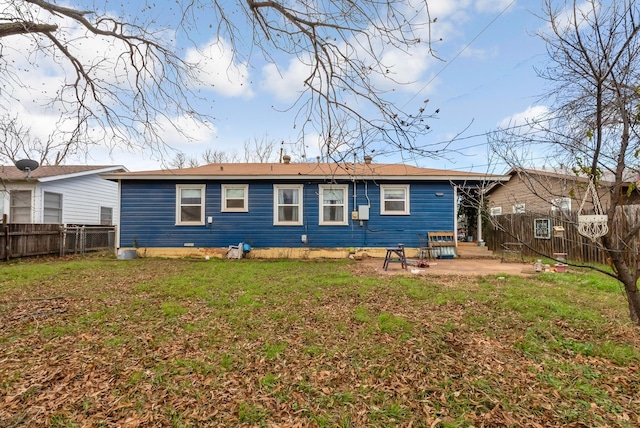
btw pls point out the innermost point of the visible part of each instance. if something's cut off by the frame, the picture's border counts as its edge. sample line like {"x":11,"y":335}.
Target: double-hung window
{"x":494,"y":211}
{"x":20,"y":206}
{"x":190,"y":204}
{"x":394,"y":199}
{"x":52,"y":211}
{"x":287,"y":205}
{"x":235,"y":198}
{"x":333,"y":205}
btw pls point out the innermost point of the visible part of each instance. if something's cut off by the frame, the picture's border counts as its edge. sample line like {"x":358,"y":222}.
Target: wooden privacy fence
{"x":26,"y":240}
{"x":557,"y":233}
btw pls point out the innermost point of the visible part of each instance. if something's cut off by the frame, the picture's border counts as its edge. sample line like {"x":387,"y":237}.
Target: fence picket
{"x":520,"y":228}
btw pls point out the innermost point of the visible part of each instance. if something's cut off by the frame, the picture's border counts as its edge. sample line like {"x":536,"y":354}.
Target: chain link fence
{"x":83,"y":239}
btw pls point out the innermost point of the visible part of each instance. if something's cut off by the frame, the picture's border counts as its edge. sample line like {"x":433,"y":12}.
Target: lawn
{"x":153,"y":342}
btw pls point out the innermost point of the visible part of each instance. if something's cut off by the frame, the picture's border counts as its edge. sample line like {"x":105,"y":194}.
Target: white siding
{"x":82,"y":198}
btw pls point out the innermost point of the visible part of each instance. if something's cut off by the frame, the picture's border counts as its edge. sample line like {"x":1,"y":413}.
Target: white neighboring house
{"x":64,"y":194}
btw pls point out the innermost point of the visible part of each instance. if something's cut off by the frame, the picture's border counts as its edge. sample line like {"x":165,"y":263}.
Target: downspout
{"x":480,"y":241}
{"x":455,"y":215}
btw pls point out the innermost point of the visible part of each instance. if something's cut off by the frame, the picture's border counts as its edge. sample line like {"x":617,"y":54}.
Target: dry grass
{"x":153,"y":342}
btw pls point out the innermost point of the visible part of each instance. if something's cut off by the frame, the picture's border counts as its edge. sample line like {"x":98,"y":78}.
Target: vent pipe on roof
{"x":367,"y":160}
{"x":286,"y":159}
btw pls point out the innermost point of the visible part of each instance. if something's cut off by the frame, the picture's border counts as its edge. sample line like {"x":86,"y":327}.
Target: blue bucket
{"x":246,"y":248}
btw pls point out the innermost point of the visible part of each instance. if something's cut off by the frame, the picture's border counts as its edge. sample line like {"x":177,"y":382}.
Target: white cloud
{"x":218,"y":71}
{"x":528,"y":116}
{"x":285,"y":83}
{"x":185,"y":129}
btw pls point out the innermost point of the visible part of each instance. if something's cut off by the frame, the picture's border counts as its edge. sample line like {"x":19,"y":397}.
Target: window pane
{"x":52,"y":200}
{"x":288,"y":213}
{"x":394,"y":194}
{"x":333,"y":196}
{"x":106,"y":216}
{"x":333,"y":213}
{"x":235,"y":203}
{"x":190,"y":213}
{"x":394,"y":205}
{"x":190,"y":196}
{"x":235,"y":193}
{"x":287,"y":196}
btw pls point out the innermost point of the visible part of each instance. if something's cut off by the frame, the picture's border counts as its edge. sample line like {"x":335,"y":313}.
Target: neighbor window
{"x":106,"y":216}
{"x":333,"y":205}
{"x":518,"y":208}
{"x":561,"y":204}
{"x":394,"y":200}
{"x":52,"y":212}
{"x":20,"y":206}
{"x":287,"y":205}
{"x":493,"y":211}
{"x":235,"y":198}
{"x":190,"y":204}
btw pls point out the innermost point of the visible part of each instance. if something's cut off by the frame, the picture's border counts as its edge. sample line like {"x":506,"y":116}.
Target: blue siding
{"x":148,"y":217}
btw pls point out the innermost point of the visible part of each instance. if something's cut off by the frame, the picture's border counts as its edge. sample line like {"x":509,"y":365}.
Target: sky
{"x":485,"y":77}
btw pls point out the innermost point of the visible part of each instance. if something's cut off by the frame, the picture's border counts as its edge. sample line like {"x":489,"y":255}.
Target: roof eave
{"x":298,"y":177}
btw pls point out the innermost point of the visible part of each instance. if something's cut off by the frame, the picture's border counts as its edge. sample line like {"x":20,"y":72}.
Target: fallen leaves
{"x":106,"y":354}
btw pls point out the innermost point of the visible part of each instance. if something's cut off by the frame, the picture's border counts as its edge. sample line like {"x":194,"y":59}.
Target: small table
{"x":396,"y":251}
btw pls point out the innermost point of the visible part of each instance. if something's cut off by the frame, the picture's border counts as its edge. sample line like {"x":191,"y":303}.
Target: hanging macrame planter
{"x":593,"y":225}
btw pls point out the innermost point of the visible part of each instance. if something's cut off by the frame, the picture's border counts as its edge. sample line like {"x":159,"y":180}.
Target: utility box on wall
{"x":363,"y":212}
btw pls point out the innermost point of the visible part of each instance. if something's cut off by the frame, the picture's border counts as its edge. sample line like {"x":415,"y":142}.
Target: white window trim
{"x":518,"y":208}
{"x":494,"y":211}
{"x":180,"y":187}
{"x":31,"y":204}
{"x":558,"y":204}
{"x":276,"y":187}
{"x":223,"y":203}
{"x":345,"y":205}
{"x":406,"y":189}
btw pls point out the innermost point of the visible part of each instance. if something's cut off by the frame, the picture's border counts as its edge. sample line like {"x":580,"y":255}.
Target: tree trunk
{"x":628,"y":280}
{"x":633,"y":297}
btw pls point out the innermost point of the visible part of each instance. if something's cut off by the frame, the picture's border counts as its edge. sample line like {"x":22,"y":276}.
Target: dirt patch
{"x":466,"y":267}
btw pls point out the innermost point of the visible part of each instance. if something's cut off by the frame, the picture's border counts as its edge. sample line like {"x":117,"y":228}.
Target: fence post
{"x":63,"y":238}
{"x":5,"y":226}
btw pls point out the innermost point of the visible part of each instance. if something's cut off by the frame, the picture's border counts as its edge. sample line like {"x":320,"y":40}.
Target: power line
{"x":460,"y":52}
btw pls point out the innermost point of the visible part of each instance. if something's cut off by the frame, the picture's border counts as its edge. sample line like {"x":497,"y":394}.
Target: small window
{"x":20,"y":206}
{"x":518,"y":208}
{"x":333,"y":205}
{"x":235,"y":198}
{"x":395,"y":200}
{"x":106,"y":216}
{"x":495,"y":211}
{"x":190,"y":204}
{"x":287,"y":205}
{"x":561,"y":204}
{"x":542,"y":228}
{"x":52,"y":212}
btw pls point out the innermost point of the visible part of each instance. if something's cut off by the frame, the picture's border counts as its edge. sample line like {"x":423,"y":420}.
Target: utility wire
{"x":460,"y":52}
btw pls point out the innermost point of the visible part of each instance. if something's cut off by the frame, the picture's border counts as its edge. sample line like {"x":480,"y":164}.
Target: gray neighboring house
{"x":65,"y":194}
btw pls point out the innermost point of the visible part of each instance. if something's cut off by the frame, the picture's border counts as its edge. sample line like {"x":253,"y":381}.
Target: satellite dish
{"x":27,"y":165}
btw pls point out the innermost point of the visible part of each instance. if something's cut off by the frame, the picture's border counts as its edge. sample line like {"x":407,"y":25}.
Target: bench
{"x":442,"y":244}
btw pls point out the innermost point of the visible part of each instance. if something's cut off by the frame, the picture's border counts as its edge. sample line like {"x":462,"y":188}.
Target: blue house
{"x":286,"y":209}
